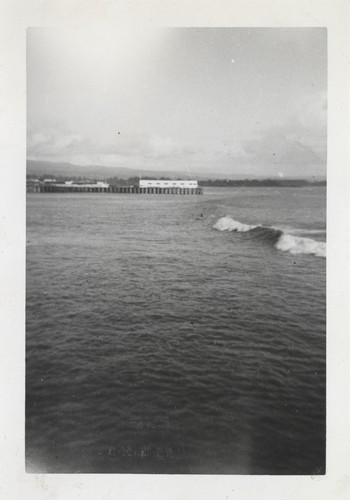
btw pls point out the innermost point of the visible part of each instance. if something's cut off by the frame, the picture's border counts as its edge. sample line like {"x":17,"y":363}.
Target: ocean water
{"x":176,"y":334}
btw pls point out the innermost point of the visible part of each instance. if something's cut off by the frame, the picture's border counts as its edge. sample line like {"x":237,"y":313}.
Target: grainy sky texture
{"x":237,"y":101}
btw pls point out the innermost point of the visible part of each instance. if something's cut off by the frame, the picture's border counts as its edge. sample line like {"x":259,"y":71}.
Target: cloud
{"x":162,"y":146}
{"x":56,"y":143}
{"x":298,"y":145}
{"x":50,"y":142}
{"x":313,"y":112}
{"x":281,"y":147}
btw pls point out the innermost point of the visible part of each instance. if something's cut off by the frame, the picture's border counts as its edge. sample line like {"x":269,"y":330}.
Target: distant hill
{"x":59,"y":169}
{"x":100,"y":172}
{"x":41,"y":168}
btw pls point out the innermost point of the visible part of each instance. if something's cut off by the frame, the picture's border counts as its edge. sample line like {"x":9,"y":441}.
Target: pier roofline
{"x":181,"y":187}
{"x":168,"y":183}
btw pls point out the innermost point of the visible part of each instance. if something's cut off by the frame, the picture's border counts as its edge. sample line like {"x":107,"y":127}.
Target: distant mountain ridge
{"x":40,"y":168}
{"x":100,"y":172}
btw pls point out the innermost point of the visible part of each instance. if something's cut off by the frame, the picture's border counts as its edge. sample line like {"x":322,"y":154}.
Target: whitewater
{"x":286,"y":242}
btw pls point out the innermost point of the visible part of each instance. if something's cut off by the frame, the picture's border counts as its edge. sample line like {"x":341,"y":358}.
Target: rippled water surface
{"x":176,"y":334}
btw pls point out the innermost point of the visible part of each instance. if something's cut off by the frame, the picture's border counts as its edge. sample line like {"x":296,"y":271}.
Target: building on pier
{"x":157,"y":183}
{"x":151,"y":187}
{"x":86,"y":184}
{"x":50,"y":186}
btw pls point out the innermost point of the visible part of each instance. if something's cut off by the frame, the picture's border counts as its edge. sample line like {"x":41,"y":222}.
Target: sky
{"x":234,"y":101}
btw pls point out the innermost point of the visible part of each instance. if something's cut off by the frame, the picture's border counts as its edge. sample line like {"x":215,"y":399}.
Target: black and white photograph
{"x":176,"y":251}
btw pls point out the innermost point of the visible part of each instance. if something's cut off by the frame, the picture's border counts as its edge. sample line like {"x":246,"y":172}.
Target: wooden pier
{"x":63,"y":188}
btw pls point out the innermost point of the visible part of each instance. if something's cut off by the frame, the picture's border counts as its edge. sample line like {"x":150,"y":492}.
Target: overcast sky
{"x":234,"y":101}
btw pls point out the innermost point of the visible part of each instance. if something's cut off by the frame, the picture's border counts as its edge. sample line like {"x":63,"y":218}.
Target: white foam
{"x":299,"y":245}
{"x":229,"y":224}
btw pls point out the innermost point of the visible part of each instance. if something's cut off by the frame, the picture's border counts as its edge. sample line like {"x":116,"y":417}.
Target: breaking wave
{"x":228,"y":224}
{"x":284,"y":241}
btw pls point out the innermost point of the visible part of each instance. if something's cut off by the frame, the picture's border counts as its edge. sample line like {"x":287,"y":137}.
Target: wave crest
{"x":281,"y":240}
{"x":228,"y":224}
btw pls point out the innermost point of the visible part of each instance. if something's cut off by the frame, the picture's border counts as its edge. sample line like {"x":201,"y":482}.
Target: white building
{"x":98,"y":184}
{"x":168,"y":184}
